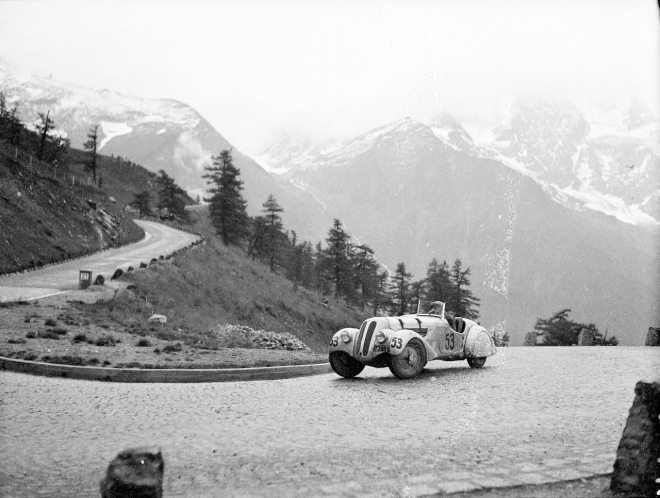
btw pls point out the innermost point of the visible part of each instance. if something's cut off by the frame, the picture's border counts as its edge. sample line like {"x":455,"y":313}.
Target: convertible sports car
{"x":406,"y":343}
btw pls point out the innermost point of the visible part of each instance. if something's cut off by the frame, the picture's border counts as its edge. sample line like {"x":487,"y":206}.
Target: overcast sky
{"x":330,"y":68}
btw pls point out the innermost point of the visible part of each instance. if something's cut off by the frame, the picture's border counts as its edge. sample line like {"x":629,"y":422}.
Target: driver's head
{"x":435,"y":306}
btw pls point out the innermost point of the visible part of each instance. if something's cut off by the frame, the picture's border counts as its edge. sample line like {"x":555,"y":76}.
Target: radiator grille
{"x":367,"y":340}
{"x":356,"y":346}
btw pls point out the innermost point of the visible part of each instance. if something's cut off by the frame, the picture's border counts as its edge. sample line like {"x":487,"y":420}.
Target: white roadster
{"x":406,"y":343}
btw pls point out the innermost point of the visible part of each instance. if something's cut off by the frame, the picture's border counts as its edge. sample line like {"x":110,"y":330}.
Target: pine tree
{"x":15,"y":127}
{"x":43,"y":127}
{"x":171,"y":197}
{"x":400,"y":289}
{"x":91,"y":145}
{"x":461,"y":300}
{"x":142,"y":202}
{"x":438,"y":283}
{"x":227,"y":206}
{"x":337,"y":258}
{"x":364,"y":269}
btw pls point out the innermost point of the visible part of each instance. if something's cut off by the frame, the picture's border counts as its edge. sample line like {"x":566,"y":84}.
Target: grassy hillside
{"x":215,"y":284}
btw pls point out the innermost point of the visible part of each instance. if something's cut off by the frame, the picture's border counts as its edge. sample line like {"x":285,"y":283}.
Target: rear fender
{"x":479,"y":343}
{"x":336,"y":344}
{"x":398,"y":339}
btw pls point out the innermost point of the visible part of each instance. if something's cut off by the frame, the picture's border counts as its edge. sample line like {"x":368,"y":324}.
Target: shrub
{"x":27,"y":319}
{"x":20,"y":340}
{"x":106,"y":363}
{"x":59,"y":330}
{"x":143,"y":343}
{"x":80,"y":338}
{"x":50,"y":322}
{"x":157,"y":351}
{"x":30,"y":356}
{"x":30,"y":335}
{"x":173,"y":348}
{"x":93,"y":361}
{"x":47,"y":334}
{"x":107,"y":340}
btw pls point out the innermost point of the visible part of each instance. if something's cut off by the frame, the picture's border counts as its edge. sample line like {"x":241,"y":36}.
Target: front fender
{"x":399,"y":338}
{"x":479,"y":343}
{"x":336,"y":344}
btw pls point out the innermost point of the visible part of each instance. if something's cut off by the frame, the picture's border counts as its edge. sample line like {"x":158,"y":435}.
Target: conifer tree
{"x":438,"y":284}
{"x":43,"y":127}
{"x":171,"y":197}
{"x":15,"y":127}
{"x":461,"y":300}
{"x":91,"y":145}
{"x":364,"y":269}
{"x":227,"y":206}
{"x":142,"y":202}
{"x":337,"y":258}
{"x":400,"y":289}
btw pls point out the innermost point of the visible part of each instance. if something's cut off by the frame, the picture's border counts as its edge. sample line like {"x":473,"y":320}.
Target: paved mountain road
{"x":532,"y":415}
{"x":159,"y":240}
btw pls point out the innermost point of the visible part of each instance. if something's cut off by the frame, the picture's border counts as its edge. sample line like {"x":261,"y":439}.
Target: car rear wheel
{"x":477,"y":362}
{"x":343,"y":364}
{"x":410,"y":362}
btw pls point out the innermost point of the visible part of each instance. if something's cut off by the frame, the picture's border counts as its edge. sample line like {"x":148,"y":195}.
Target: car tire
{"x":410,"y":362}
{"x":343,"y":364}
{"x":477,"y":362}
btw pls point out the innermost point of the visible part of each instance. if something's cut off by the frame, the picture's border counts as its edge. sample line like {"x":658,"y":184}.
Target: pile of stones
{"x":259,"y":339}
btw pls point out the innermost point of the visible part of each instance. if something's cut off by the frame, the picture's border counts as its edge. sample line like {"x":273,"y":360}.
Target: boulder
{"x":100,"y":280}
{"x":530,"y":339}
{"x":157,"y":318}
{"x":653,"y":337}
{"x":143,"y":265}
{"x":585,"y":338}
{"x":135,"y":472}
{"x":637,"y":464}
{"x":118,"y":273}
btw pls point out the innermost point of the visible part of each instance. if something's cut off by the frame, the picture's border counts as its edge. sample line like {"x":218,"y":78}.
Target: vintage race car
{"x":406,"y":343}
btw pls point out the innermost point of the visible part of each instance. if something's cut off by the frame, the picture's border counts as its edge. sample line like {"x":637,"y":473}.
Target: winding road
{"x":159,"y":240}
{"x":531,"y":415}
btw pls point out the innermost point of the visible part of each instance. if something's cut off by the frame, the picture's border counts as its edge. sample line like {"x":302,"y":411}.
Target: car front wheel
{"x":410,"y":362}
{"x":477,"y":362}
{"x":343,"y":364}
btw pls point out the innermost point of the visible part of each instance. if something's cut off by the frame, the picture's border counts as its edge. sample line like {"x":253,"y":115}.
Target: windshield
{"x":431,"y":308}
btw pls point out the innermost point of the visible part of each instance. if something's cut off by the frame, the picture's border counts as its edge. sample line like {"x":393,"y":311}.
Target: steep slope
{"x":413,"y":196}
{"x":46,"y":220}
{"x":158,"y":134}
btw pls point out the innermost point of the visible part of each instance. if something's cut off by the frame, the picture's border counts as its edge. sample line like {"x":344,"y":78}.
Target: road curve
{"x":532,"y":415}
{"x":159,"y":240}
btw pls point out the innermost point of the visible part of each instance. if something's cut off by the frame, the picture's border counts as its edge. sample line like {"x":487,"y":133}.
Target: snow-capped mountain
{"x":158,"y":134}
{"x":606,"y":164}
{"x":414,"y":192}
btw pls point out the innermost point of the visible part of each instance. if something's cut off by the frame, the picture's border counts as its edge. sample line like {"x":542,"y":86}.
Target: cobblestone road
{"x":533,"y":415}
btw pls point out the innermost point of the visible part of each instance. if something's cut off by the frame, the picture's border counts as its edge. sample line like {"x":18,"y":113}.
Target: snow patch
{"x":112,"y":130}
{"x":263,"y":162}
{"x":161,"y":131}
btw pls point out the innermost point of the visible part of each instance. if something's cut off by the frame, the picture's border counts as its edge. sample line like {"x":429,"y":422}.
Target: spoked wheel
{"x":477,"y":362}
{"x":342,"y":363}
{"x":410,"y":362}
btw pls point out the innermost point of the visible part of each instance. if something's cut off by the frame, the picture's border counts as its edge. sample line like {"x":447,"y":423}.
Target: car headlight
{"x":345,"y":336}
{"x":380,"y":337}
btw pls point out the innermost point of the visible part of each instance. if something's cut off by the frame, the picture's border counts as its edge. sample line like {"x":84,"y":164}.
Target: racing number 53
{"x":449,"y":340}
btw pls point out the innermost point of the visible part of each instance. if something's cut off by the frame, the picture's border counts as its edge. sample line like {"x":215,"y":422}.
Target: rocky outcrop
{"x":653,"y":337}
{"x":136,"y":472}
{"x":586,"y":338}
{"x":637,"y":466}
{"x":530,"y":339}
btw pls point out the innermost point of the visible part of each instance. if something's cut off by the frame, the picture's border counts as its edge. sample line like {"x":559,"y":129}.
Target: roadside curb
{"x":162,"y":375}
